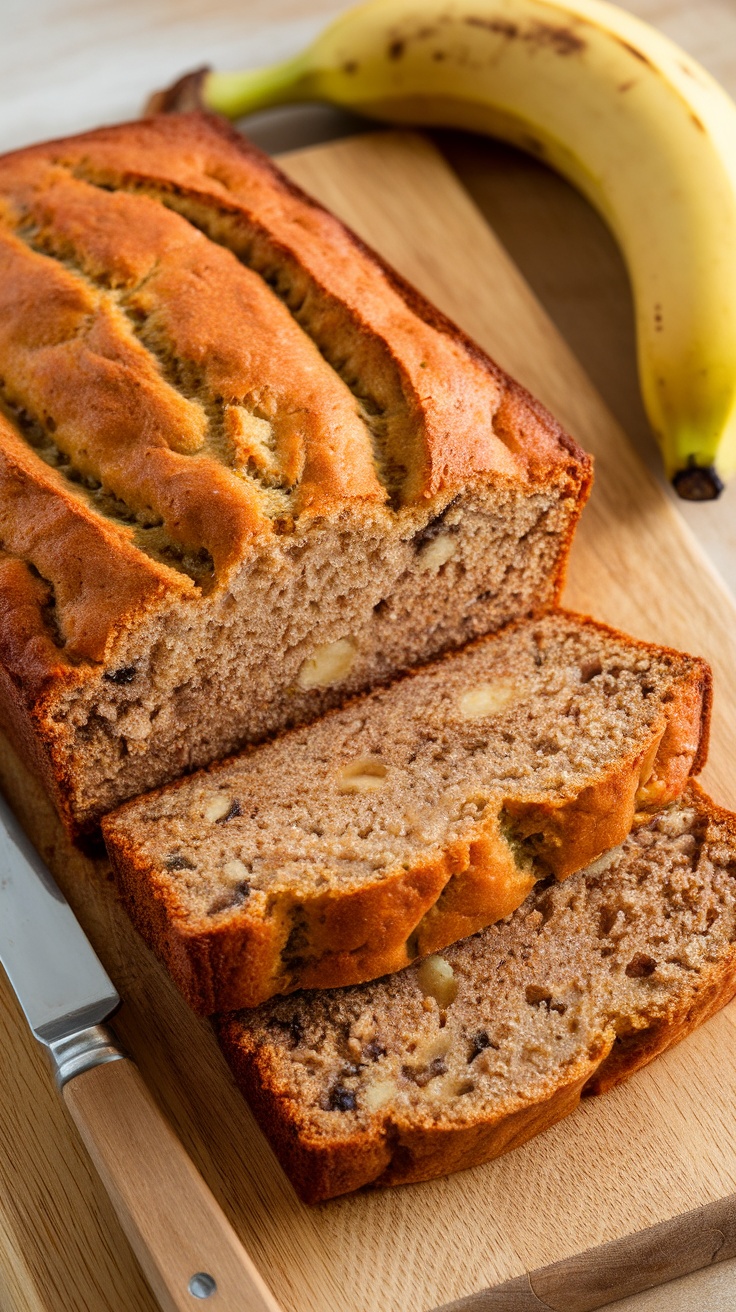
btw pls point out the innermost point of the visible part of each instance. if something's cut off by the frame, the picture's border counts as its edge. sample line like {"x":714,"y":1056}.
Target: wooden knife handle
{"x":187,"y":1250}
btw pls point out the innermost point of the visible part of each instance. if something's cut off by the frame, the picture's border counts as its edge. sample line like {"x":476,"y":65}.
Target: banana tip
{"x":697,"y":483}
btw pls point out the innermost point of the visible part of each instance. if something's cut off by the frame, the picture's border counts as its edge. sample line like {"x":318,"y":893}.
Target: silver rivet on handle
{"x":202,"y":1285}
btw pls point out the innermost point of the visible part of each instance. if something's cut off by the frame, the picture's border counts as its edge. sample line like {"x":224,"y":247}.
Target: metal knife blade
{"x":57,"y":978}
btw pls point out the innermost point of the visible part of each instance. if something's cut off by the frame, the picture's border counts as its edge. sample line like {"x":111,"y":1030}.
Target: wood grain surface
{"x":641,"y":1157}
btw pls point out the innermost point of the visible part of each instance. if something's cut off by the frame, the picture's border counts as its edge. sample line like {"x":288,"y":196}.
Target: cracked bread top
{"x":193,"y":356}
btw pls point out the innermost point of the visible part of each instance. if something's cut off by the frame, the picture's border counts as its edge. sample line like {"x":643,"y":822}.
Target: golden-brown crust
{"x":118,"y":316}
{"x":351,"y":936}
{"x":59,"y":559}
{"x":27,"y":653}
{"x":194,"y":299}
{"x":94,"y":577}
{"x":239,"y":963}
{"x":401,"y":1152}
{"x":320,"y":1168}
{"x":201,"y":156}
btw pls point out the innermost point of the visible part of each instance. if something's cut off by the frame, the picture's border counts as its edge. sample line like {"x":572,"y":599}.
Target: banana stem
{"x":235,"y":94}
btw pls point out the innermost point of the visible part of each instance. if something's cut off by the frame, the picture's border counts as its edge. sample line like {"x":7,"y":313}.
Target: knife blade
{"x":57,"y":978}
{"x":182,"y":1239}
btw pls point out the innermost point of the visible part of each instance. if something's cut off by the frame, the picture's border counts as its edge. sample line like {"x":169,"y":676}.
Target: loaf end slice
{"x":411,"y":818}
{"x":458,"y":1060}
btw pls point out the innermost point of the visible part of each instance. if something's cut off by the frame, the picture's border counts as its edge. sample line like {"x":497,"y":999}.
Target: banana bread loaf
{"x":245,"y":470}
{"x":411,"y":818}
{"x":468,"y":1055}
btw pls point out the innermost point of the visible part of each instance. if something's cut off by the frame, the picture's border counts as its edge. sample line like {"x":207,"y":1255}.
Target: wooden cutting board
{"x":625,"y":1169}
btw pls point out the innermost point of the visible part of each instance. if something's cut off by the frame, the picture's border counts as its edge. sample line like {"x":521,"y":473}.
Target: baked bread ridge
{"x":227,"y":426}
{"x":412,"y":817}
{"x":380,"y":1084}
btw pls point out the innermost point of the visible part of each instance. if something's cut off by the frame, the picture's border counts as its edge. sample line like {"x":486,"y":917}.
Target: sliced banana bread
{"x":411,"y":818}
{"x":459,"y":1059}
{"x":245,"y":471}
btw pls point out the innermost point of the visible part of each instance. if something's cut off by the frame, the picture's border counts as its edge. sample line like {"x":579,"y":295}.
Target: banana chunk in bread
{"x":245,"y":470}
{"x":456,"y":1061}
{"x":411,"y":818}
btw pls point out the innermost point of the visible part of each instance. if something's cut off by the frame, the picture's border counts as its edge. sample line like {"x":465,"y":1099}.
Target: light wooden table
{"x":70,"y":64}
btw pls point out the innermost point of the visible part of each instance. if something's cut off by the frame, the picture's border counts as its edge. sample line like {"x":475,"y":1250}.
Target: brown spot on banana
{"x":563,"y":40}
{"x":638,"y":54}
{"x":552,"y":36}
{"x":532,"y":144}
{"x":501,"y":26}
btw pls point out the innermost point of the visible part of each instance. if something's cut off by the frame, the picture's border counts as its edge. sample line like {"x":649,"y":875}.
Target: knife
{"x":184,"y":1244}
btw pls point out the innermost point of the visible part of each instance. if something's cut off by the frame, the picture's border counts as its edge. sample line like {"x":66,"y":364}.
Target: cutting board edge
{"x":599,"y":1276}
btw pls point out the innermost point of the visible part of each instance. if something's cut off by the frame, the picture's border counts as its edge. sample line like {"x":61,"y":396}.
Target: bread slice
{"x":459,"y":1059}
{"x":411,"y":818}
{"x":245,"y":470}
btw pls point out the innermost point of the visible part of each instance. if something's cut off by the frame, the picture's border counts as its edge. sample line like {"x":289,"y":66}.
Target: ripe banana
{"x":623,"y":113}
